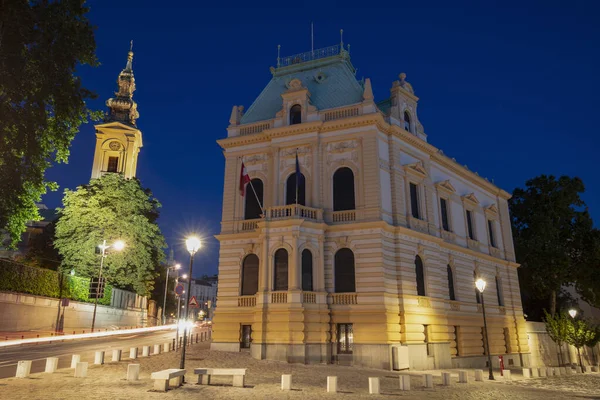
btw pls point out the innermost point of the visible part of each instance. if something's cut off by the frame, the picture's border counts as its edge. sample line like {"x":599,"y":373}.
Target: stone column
{"x":294,"y":265}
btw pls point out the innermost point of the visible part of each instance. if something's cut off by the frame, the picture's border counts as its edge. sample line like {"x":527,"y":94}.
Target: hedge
{"x":22,"y":278}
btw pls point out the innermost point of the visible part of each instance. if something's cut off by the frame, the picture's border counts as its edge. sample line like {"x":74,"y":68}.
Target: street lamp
{"x":193,"y":245}
{"x":164,"y":315}
{"x":118,"y":245}
{"x":572,"y":312}
{"x":480,"y":284}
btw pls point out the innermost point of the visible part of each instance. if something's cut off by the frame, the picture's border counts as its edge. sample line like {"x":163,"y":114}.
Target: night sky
{"x":510,"y":90}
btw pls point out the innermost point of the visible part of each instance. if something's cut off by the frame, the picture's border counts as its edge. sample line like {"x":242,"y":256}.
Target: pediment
{"x":417,"y":168}
{"x":446,"y":185}
{"x":493,"y":209}
{"x":116,"y":125}
{"x":471,"y":198}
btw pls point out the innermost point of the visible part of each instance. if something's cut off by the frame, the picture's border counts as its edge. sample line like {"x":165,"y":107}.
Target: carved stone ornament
{"x":294,"y":84}
{"x":255,"y":159}
{"x":424,"y":302}
{"x":342,"y":147}
{"x":115,"y":146}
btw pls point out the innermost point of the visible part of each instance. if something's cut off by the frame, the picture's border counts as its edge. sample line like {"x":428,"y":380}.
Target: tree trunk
{"x":553,"y":302}
{"x":560,"y":357}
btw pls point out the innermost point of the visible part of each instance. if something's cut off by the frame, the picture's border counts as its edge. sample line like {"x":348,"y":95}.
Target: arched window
{"x":477,"y":293}
{"x":281,"y":270}
{"x":345,"y":280}
{"x":252,"y":207}
{"x":295,"y":195}
{"x":499,"y":292}
{"x":295,"y":115}
{"x":343,"y":189}
{"x":250,"y":275}
{"x":307,"y":271}
{"x":451,"y":283}
{"x":420,"y":276}
{"x":407,"y":121}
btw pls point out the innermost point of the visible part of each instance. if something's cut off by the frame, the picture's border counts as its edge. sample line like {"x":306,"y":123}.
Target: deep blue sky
{"x":510,"y":90}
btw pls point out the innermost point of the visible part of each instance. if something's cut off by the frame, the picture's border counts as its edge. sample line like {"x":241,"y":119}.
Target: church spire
{"x":122,"y":108}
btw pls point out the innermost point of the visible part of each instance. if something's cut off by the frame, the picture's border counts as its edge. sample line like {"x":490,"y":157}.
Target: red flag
{"x":244,"y":179}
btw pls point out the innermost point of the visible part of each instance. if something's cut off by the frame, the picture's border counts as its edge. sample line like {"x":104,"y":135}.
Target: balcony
{"x":449,"y":236}
{"x":246,"y":301}
{"x":344,"y":299}
{"x":473,"y":244}
{"x":496,"y":252}
{"x":344,"y":216}
{"x":418,"y":224}
{"x":278,"y":297}
{"x":250,"y":224}
{"x":294,"y":211}
{"x":309,"y":297}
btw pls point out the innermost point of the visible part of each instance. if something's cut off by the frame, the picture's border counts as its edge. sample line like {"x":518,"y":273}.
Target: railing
{"x":309,"y":297}
{"x":418,"y":224}
{"x":472,"y":244}
{"x":246,"y":301}
{"x":448,"y":236}
{"x":341,"y":113}
{"x":279,"y":297}
{"x":250,"y":225}
{"x":309,"y":56}
{"x":344,"y":298}
{"x":344,"y":216}
{"x":254,"y":128}
{"x":495,"y":252}
{"x":294,"y":210}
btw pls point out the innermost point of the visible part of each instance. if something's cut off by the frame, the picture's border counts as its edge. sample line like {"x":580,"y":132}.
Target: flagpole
{"x":255,"y":195}
{"x":297,"y":176}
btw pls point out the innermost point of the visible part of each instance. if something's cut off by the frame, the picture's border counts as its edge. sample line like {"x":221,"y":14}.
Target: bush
{"x":22,"y":278}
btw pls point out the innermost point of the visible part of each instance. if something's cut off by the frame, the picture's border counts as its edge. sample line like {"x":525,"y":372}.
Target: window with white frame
{"x":470,"y":224}
{"x":414,"y":200}
{"x":492,"y":233}
{"x":445,"y":214}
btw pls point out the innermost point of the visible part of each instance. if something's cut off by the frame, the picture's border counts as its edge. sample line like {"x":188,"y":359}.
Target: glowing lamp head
{"x":572,"y":313}
{"x":193,"y":244}
{"x":184,"y":276}
{"x":480,"y":285}
{"x":177,"y":266}
{"x":118,"y":245}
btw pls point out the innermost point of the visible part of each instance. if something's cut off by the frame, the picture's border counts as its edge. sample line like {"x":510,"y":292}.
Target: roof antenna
{"x":312,"y":38}
{"x":278,"y":50}
{"x":342,"y":38}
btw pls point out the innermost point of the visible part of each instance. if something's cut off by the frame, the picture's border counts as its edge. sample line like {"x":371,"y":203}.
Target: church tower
{"x":118,"y":140}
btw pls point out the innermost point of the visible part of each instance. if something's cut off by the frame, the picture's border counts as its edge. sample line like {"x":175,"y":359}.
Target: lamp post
{"x":164,"y":314}
{"x":480,"y":284}
{"x":192,"y":244}
{"x":118,"y":245}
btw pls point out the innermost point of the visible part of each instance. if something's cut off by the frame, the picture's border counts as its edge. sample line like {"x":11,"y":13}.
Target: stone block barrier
{"x":133,"y":353}
{"x":332,"y":386}
{"x":428,"y":381}
{"x":133,"y":372}
{"x":166,"y":347}
{"x":535,"y":372}
{"x":23,"y":369}
{"x":479,"y":375}
{"x":74,"y":360}
{"x":373,"y":385}
{"x":404,"y":382}
{"x":145,"y":351}
{"x":81,"y":370}
{"x":463,"y":377}
{"x":116,"y":355}
{"x":578,"y":369}
{"x":506,"y":374}
{"x":526,"y":373}
{"x":543,"y":372}
{"x":51,"y":365}
{"x":156,"y":349}
{"x":286,"y":382}
{"x":99,"y":358}
{"x":446,"y":379}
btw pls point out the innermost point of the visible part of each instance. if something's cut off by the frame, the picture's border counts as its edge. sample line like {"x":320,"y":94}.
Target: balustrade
{"x":246,"y":301}
{"x":254,"y":128}
{"x":344,"y":298}
{"x":278,"y":297}
{"x":344,"y":216}
{"x":309,"y":297}
{"x":341,"y":113}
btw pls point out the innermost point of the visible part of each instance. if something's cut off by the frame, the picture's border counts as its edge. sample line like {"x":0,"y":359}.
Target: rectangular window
{"x":491,"y":230}
{"x":345,"y":338}
{"x":470,"y":225}
{"x":113,"y":164}
{"x":414,"y":200}
{"x":444,"y":208}
{"x":246,"y":336}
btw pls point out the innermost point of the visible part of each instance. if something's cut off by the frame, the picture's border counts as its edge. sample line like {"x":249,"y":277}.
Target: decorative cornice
{"x":445,"y":186}
{"x":416,"y":168}
{"x":471,"y":198}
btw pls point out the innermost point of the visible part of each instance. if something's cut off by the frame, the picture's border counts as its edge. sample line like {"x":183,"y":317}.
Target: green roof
{"x":331,"y":82}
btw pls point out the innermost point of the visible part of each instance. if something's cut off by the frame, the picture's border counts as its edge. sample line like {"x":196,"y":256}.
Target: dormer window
{"x":407,"y":121}
{"x":295,"y":115}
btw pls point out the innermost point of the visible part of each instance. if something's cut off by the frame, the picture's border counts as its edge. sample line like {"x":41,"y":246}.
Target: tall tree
{"x":42,"y":102}
{"x":550,"y":222}
{"x":580,"y":333}
{"x":558,"y":326}
{"x":112,"y":208}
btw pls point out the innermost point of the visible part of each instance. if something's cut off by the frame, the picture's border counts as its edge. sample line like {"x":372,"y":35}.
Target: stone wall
{"x":544,"y":352}
{"x":24,"y":312}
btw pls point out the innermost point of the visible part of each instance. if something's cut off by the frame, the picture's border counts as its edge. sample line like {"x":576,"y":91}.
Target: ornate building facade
{"x":370,"y":255}
{"x":118,"y":141}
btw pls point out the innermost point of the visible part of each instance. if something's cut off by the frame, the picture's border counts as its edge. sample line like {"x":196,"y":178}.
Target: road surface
{"x":11,"y":355}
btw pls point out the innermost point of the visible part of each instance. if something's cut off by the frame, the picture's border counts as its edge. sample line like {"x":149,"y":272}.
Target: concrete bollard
{"x":74,"y":360}
{"x":133,"y":353}
{"x":156,"y":349}
{"x":594,"y":368}
{"x":99,"y":358}
{"x":535,"y":372}
{"x":23,"y":369}
{"x":543,"y":372}
{"x":373,"y":385}
{"x":286,"y":382}
{"x":556,"y":371}
{"x":506,"y":374}
{"x":568,"y":371}
{"x":428,"y":381}
{"x":479,"y":375}
{"x":563,"y":370}
{"x":166,"y":347}
{"x":405,"y":382}
{"x":446,"y":379}
{"x":332,"y":384}
{"x":133,"y":372}
{"x":116,"y":355}
{"x":81,"y":370}
{"x":584,"y":369}
{"x":463,"y":377}
{"x":578,"y":369}
{"x":145,"y":351}
{"x":526,"y":373}
{"x":51,"y":365}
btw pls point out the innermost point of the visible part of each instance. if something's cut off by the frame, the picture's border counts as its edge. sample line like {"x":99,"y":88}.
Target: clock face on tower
{"x":115,"y":146}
